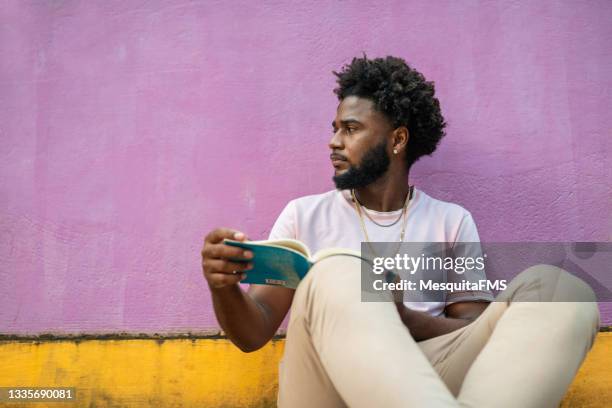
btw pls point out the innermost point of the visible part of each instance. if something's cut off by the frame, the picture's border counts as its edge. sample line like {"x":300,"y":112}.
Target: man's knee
{"x":567,"y":299}
{"x":549,"y":283}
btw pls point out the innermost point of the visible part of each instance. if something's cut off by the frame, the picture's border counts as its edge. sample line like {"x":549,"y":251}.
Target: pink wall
{"x":129,"y":130}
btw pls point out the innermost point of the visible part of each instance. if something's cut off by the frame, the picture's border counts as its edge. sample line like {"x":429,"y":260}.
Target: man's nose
{"x":335,"y":143}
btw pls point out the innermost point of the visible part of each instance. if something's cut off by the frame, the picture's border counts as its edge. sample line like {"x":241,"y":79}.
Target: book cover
{"x":274,"y":264}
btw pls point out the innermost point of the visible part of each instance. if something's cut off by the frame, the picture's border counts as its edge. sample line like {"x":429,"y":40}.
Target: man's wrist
{"x":224,"y":290}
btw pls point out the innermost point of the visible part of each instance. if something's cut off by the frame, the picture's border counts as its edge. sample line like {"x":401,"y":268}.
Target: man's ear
{"x":400,"y":139}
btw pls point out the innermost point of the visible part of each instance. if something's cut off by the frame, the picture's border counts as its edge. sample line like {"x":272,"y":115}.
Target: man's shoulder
{"x":457,"y":222}
{"x":316,"y":204}
{"x":316,"y":199}
{"x":441,"y":207}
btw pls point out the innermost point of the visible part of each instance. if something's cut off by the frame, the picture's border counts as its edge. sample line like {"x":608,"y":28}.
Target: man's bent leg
{"x":452,"y":354}
{"x":537,"y":344}
{"x":340,"y":350}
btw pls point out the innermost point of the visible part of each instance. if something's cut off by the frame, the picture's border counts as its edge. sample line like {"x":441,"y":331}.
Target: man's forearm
{"x":241,"y":317}
{"x":423,"y":326}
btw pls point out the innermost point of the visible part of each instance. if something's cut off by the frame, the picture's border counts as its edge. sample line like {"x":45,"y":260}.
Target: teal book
{"x":283,"y":262}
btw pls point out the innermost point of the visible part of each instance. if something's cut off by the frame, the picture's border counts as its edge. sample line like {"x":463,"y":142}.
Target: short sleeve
{"x":285,"y":225}
{"x":467,"y":231}
{"x":467,"y":245}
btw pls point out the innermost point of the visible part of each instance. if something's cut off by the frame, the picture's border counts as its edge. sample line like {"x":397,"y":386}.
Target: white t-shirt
{"x":330,"y":220}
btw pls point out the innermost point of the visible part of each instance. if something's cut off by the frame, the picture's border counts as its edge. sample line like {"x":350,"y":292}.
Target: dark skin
{"x":250,"y":319}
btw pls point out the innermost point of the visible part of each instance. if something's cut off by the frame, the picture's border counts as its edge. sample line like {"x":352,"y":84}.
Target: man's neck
{"x":389,"y":193}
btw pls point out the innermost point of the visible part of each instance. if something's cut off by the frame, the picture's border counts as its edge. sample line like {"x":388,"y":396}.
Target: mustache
{"x":336,"y":156}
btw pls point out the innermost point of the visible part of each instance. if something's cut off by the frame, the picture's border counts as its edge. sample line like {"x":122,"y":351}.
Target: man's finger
{"x":222,"y":251}
{"x":397,"y":294}
{"x":212,"y":266}
{"x":219,"y":280}
{"x":219,"y":234}
{"x":240,"y":236}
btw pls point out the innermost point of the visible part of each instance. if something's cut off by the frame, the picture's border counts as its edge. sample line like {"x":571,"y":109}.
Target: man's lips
{"x":337,"y":160}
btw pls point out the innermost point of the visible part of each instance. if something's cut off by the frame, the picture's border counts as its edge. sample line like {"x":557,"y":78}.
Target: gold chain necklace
{"x":404,"y":212}
{"x":377,"y":223}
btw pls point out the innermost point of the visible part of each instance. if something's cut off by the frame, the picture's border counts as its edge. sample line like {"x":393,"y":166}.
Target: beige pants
{"x":522,"y":351}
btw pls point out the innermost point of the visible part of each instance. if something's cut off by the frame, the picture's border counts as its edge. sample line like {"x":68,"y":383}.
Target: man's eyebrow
{"x":346,"y":122}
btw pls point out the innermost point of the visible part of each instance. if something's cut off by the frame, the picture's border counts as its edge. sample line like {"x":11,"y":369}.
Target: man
{"x":341,"y":351}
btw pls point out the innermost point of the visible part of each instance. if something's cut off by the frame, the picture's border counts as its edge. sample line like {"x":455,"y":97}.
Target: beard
{"x":374,"y":165}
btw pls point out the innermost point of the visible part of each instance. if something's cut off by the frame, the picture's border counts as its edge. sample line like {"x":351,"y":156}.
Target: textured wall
{"x":130,"y":129}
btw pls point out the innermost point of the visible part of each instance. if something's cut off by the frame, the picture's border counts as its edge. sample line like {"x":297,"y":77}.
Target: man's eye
{"x":350,"y":130}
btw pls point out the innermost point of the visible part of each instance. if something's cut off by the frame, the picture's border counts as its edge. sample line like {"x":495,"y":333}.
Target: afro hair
{"x":402,"y":94}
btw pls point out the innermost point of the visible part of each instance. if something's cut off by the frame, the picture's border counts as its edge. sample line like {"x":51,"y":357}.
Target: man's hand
{"x":424,"y":326}
{"x":397,"y":294}
{"x":249,"y":319}
{"x":218,"y":269}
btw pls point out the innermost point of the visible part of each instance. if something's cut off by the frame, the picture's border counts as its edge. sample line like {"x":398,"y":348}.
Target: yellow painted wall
{"x":203,"y":373}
